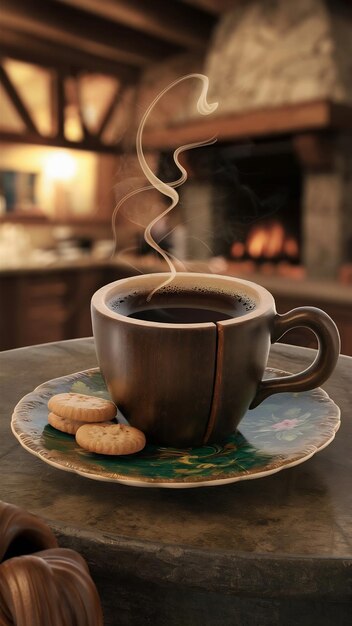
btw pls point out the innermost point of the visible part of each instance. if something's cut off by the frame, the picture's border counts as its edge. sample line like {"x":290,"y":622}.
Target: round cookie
{"x":111,"y":439}
{"x":82,"y":408}
{"x":65,"y":425}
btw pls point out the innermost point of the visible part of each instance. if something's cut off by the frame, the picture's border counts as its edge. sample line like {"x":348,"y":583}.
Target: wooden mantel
{"x":289,"y":119}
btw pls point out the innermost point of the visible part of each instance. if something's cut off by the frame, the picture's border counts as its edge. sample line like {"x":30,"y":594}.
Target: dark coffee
{"x":181,"y":315}
{"x":183,"y":306}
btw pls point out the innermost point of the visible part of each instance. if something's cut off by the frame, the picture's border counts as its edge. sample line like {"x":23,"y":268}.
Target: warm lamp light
{"x":60,"y":166}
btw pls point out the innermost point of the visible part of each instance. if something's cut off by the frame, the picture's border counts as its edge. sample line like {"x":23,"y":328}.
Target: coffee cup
{"x":184,"y":361}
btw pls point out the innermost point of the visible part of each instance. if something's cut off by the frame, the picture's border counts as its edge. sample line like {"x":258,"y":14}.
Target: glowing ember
{"x":291,"y":248}
{"x":257,"y":241}
{"x":237,"y":249}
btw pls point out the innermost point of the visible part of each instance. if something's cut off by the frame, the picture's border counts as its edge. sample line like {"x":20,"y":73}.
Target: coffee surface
{"x":183,"y":306}
{"x":181,"y":315}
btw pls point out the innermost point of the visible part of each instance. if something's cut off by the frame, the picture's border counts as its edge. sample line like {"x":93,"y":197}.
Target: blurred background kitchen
{"x":270,"y":201}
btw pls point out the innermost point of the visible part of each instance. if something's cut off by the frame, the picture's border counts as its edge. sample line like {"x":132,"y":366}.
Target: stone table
{"x":274,"y":551}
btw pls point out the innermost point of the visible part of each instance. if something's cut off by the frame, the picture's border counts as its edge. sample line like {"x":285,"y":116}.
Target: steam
{"x":176,"y":183}
{"x":168,"y":189}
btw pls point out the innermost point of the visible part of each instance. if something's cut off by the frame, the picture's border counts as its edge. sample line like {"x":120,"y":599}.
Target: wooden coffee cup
{"x":188,"y":382}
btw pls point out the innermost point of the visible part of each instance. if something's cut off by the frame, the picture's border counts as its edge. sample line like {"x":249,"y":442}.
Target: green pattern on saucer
{"x":283,"y":431}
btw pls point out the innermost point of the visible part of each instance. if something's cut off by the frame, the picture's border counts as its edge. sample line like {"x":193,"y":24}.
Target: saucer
{"x":285,"y":430}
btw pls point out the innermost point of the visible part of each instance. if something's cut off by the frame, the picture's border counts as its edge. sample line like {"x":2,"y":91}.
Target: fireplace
{"x":268,"y":206}
{"x":241,"y":202}
{"x":259,"y":190}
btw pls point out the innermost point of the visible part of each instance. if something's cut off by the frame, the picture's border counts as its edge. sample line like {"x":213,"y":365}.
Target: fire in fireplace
{"x":267,"y":242}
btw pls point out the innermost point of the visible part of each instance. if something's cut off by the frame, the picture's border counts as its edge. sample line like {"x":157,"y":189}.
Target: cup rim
{"x":265,"y":304}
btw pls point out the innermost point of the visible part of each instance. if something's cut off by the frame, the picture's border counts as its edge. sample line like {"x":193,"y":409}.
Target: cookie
{"x":64,"y":424}
{"x":112,"y":439}
{"x":82,"y":408}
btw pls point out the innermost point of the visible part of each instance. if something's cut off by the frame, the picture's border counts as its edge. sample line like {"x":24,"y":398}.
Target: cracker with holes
{"x":82,"y":408}
{"x":112,"y":439}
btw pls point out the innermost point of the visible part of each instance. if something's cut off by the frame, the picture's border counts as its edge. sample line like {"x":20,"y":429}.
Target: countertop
{"x":322,"y":290}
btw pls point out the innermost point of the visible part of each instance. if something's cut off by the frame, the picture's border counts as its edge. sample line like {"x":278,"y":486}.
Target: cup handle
{"x":322,"y":367}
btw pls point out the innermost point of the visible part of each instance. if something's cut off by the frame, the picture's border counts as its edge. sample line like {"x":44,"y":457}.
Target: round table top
{"x":301,"y":512}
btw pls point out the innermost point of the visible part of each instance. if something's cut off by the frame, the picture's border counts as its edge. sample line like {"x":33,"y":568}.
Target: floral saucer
{"x":283,"y":431}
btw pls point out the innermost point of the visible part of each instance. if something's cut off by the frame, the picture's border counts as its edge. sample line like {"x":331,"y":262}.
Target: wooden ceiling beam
{"x":64,"y":25}
{"x":287,"y":119}
{"x":17,"y":101}
{"x":25,"y":47}
{"x":182,"y":25}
